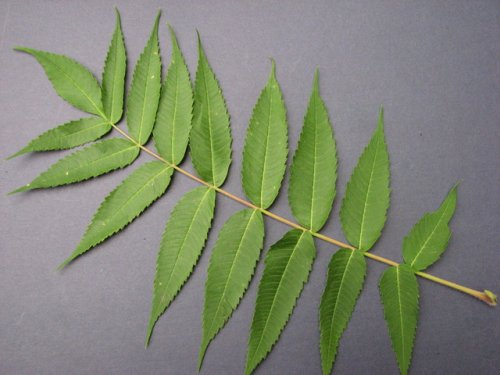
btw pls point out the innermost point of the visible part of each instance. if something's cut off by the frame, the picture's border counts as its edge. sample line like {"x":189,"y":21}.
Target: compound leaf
{"x":288,"y":263}
{"x":142,"y":101}
{"x":173,"y":122}
{"x":314,"y":167}
{"x":363,"y":211}
{"x":180,"y":248}
{"x":71,"y":134}
{"x":113,"y":76}
{"x":71,"y":80}
{"x":427,"y":240}
{"x":346,"y":274}
{"x":399,"y":294}
{"x":265,"y":152}
{"x":126,"y":202}
{"x":91,"y":161}
{"x":210,"y":139}
{"x":231,"y":268}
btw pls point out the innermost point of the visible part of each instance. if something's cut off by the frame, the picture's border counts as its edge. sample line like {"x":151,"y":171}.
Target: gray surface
{"x":434,"y":66}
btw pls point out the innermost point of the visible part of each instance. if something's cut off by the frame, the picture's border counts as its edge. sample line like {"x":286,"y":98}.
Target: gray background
{"x":433,"y":65}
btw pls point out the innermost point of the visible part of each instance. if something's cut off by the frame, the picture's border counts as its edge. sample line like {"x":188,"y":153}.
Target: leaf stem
{"x":486,"y":296}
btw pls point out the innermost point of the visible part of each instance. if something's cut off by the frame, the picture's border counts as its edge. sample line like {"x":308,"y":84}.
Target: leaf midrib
{"x":115,"y":213}
{"x":148,"y":56}
{"x":66,"y":135}
{"x":237,"y":254}
{"x":92,"y":162}
{"x":104,"y":122}
{"x":110,"y":155}
{"x":368,"y":193}
{"x":174,"y":115}
{"x":431,"y":234}
{"x":401,"y":316}
{"x":115,"y":80}
{"x":99,"y":111}
{"x":313,"y":188}
{"x":351,"y":256}
{"x":275,"y":294}
{"x":209,"y":116}
{"x":266,"y":148}
{"x":162,"y":299}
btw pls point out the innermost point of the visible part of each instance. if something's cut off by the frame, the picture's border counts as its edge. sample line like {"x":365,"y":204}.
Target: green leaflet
{"x":314,"y":167}
{"x":265,"y":152}
{"x":427,"y":240}
{"x":126,"y":202}
{"x":71,"y":80}
{"x":168,"y":111}
{"x":68,"y":135}
{"x":398,"y":285}
{"x":362,"y":215}
{"x":210,"y":139}
{"x":346,"y":274}
{"x":91,"y":161}
{"x":231,"y":268}
{"x":399,"y":294}
{"x":113,"y":76}
{"x":366,"y":200}
{"x":173,"y":122}
{"x":180,"y":248}
{"x":288,"y":264}
{"x":144,"y":94}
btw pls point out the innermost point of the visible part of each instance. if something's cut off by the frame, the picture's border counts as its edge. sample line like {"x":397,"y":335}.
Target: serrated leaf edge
{"x":315,"y":95}
{"x":31,"y":186}
{"x":152,"y":322}
{"x":175,"y":48}
{"x":399,"y":289}
{"x":153,"y":37}
{"x":29,"y":147}
{"x":74,"y":255}
{"x":248,"y":371}
{"x":358,"y":292}
{"x":271,"y":79}
{"x":32,"y":52}
{"x":379,"y":133}
{"x":204,"y":346}
{"x":201,"y":52}
{"x":452,"y":191}
{"x":117,"y":34}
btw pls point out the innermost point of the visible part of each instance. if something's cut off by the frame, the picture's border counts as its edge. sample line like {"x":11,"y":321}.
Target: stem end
{"x":489,"y":297}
